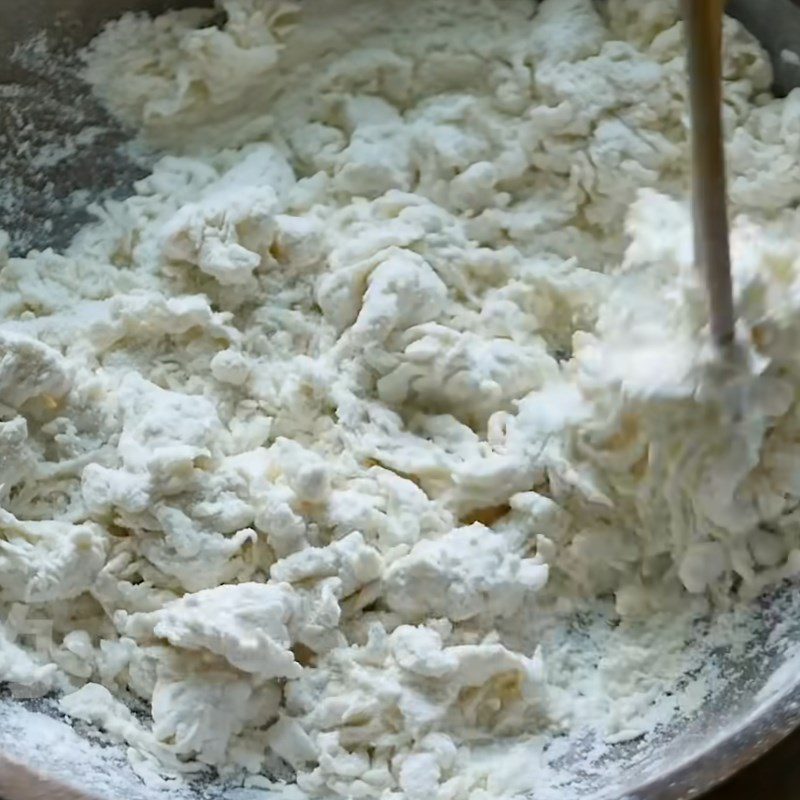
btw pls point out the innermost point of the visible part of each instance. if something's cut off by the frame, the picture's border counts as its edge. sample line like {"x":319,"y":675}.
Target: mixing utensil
{"x":703,"y":21}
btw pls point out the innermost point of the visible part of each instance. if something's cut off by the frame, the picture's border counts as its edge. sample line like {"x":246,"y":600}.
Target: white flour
{"x":311,"y":447}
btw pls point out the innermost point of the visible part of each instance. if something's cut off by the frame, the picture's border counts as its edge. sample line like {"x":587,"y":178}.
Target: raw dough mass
{"x":398,"y":349}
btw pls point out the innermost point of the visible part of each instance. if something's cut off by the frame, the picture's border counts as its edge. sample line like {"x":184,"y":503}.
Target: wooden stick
{"x":703,"y":19}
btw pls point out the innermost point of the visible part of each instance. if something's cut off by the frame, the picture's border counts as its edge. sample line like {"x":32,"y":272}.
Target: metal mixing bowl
{"x":42,"y":203}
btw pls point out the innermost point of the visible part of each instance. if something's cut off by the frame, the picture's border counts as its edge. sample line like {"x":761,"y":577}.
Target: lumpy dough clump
{"x":398,"y":347}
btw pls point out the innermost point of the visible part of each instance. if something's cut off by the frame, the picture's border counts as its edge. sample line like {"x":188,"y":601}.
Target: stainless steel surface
{"x":776,"y":24}
{"x":703,"y":21}
{"x":41,"y":106}
{"x":74,"y":21}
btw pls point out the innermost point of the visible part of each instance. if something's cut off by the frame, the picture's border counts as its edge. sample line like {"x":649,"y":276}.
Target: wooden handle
{"x":703,"y":19}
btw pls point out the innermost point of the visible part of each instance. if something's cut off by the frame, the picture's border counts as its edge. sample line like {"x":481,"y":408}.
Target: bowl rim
{"x":729,"y":752}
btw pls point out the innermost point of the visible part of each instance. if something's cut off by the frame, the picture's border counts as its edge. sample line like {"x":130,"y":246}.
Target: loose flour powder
{"x":310,"y":449}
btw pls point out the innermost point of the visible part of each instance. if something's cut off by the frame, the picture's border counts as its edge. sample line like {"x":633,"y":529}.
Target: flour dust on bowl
{"x":359,"y":432}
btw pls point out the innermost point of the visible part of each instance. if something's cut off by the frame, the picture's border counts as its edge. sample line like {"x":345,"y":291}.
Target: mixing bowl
{"x":44,"y":107}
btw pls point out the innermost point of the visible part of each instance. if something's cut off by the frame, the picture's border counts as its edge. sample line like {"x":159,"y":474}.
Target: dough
{"x":399,"y":346}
